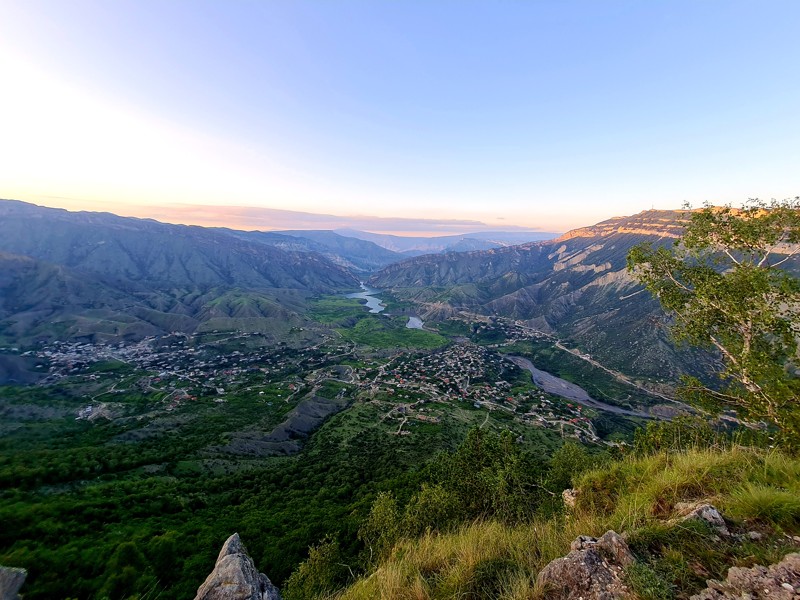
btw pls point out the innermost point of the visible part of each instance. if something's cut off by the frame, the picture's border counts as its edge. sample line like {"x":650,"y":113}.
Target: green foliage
{"x":636,"y":495}
{"x":728,"y":288}
{"x":383,"y":332}
{"x":381,"y":529}
{"x":433,"y":508}
{"x":567,"y":464}
{"x":335,"y":309}
{"x":679,"y":434}
{"x":766,"y":504}
{"x":489,"y":476}
{"x":320,"y":574}
{"x":488,"y":579}
{"x":124,"y":573}
{"x":647,"y":583}
{"x":694,"y":432}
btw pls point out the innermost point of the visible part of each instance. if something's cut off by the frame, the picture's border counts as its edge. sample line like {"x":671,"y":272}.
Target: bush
{"x":433,"y":508}
{"x":381,"y":528}
{"x":320,"y":574}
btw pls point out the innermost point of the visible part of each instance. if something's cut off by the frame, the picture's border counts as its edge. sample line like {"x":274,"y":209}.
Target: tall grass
{"x":635,"y":495}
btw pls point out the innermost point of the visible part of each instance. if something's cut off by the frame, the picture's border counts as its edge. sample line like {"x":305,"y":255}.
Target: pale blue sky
{"x":548,"y":114}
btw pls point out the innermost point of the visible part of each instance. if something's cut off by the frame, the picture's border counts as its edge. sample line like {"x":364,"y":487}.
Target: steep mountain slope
{"x":44,"y":302}
{"x":96,"y":276}
{"x":160,"y":255}
{"x":575,"y":287}
{"x":359,"y":256}
{"x":416,"y":246}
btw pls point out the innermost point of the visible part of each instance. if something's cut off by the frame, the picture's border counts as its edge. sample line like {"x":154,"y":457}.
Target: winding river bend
{"x":559,"y":387}
{"x":373,"y":304}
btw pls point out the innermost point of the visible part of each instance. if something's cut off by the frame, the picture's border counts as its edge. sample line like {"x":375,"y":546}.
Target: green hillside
{"x":756,"y":490}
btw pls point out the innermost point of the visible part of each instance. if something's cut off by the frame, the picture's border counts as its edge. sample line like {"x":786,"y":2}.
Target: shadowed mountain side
{"x":160,"y":255}
{"x":351,"y":253}
{"x":576,"y":287}
{"x":40,"y":301}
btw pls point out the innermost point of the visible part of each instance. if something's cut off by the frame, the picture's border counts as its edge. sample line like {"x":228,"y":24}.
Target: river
{"x":566,"y":389}
{"x":373,"y":304}
{"x":414,"y":323}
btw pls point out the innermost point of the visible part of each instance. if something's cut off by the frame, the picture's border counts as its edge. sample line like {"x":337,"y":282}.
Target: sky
{"x":541,"y":114}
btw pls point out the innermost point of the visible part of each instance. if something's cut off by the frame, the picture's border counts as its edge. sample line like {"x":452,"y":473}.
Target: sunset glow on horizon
{"x":448,"y":116}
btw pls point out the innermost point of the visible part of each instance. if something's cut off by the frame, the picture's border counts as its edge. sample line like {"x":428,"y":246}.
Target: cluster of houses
{"x":185,"y":367}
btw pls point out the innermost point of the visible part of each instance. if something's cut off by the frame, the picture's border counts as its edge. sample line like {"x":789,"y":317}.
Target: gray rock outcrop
{"x":235,"y":577}
{"x":11,"y":579}
{"x":703,"y":512}
{"x":593,"y":570}
{"x":781,"y":581}
{"x":570,"y":498}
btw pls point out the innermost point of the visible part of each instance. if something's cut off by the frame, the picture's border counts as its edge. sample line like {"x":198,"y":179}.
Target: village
{"x":467,"y":374}
{"x":413,"y":386}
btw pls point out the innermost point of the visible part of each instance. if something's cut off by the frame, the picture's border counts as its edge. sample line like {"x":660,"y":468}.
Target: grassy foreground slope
{"x":756,"y":491}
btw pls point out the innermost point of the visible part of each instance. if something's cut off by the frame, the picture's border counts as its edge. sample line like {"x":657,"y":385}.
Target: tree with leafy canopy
{"x":728,"y":284}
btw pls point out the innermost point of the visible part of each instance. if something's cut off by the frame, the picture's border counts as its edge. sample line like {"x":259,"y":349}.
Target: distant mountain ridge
{"x":67,"y":275}
{"x":416,"y":246}
{"x":158,"y":253}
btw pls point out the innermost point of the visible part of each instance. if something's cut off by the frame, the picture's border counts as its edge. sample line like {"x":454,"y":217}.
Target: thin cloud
{"x":270,"y":219}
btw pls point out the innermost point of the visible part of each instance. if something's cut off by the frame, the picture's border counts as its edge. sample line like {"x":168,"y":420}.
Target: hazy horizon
{"x":249,"y":218}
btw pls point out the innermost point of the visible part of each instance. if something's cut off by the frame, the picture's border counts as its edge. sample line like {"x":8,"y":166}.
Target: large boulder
{"x":11,"y":579}
{"x":593,"y":570}
{"x":235,"y":577}
{"x":778,"y":582}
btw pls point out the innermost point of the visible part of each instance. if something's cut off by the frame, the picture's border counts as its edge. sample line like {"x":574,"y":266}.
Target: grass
{"x":335,"y":309}
{"x":754,"y":489}
{"x":384,"y":332}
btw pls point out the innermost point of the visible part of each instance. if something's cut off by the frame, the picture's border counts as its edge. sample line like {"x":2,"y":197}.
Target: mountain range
{"x":95,"y":275}
{"x":575,"y":287}
{"x":82,"y":275}
{"x":416,"y":246}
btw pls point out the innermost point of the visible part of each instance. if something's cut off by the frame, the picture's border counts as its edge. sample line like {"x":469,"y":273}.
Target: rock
{"x":778,"y":582}
{"x":703,"y":512}
{"x":570,"y":497}
{"x":11,"y":579}
{"x":235,"y":577}
{"x":593,"y":570}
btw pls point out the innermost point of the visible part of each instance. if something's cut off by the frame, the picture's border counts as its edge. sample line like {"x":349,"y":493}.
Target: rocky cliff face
{"x":235,"y":577}
{"x":11,"y":579}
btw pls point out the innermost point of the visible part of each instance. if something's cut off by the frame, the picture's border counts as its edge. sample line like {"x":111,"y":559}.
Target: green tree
{"x":727,"y":283}
{"x":433,"y":508}
{"x":489,"y":476}
{"x":319,"y":575}
{"x":381,"y":529}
